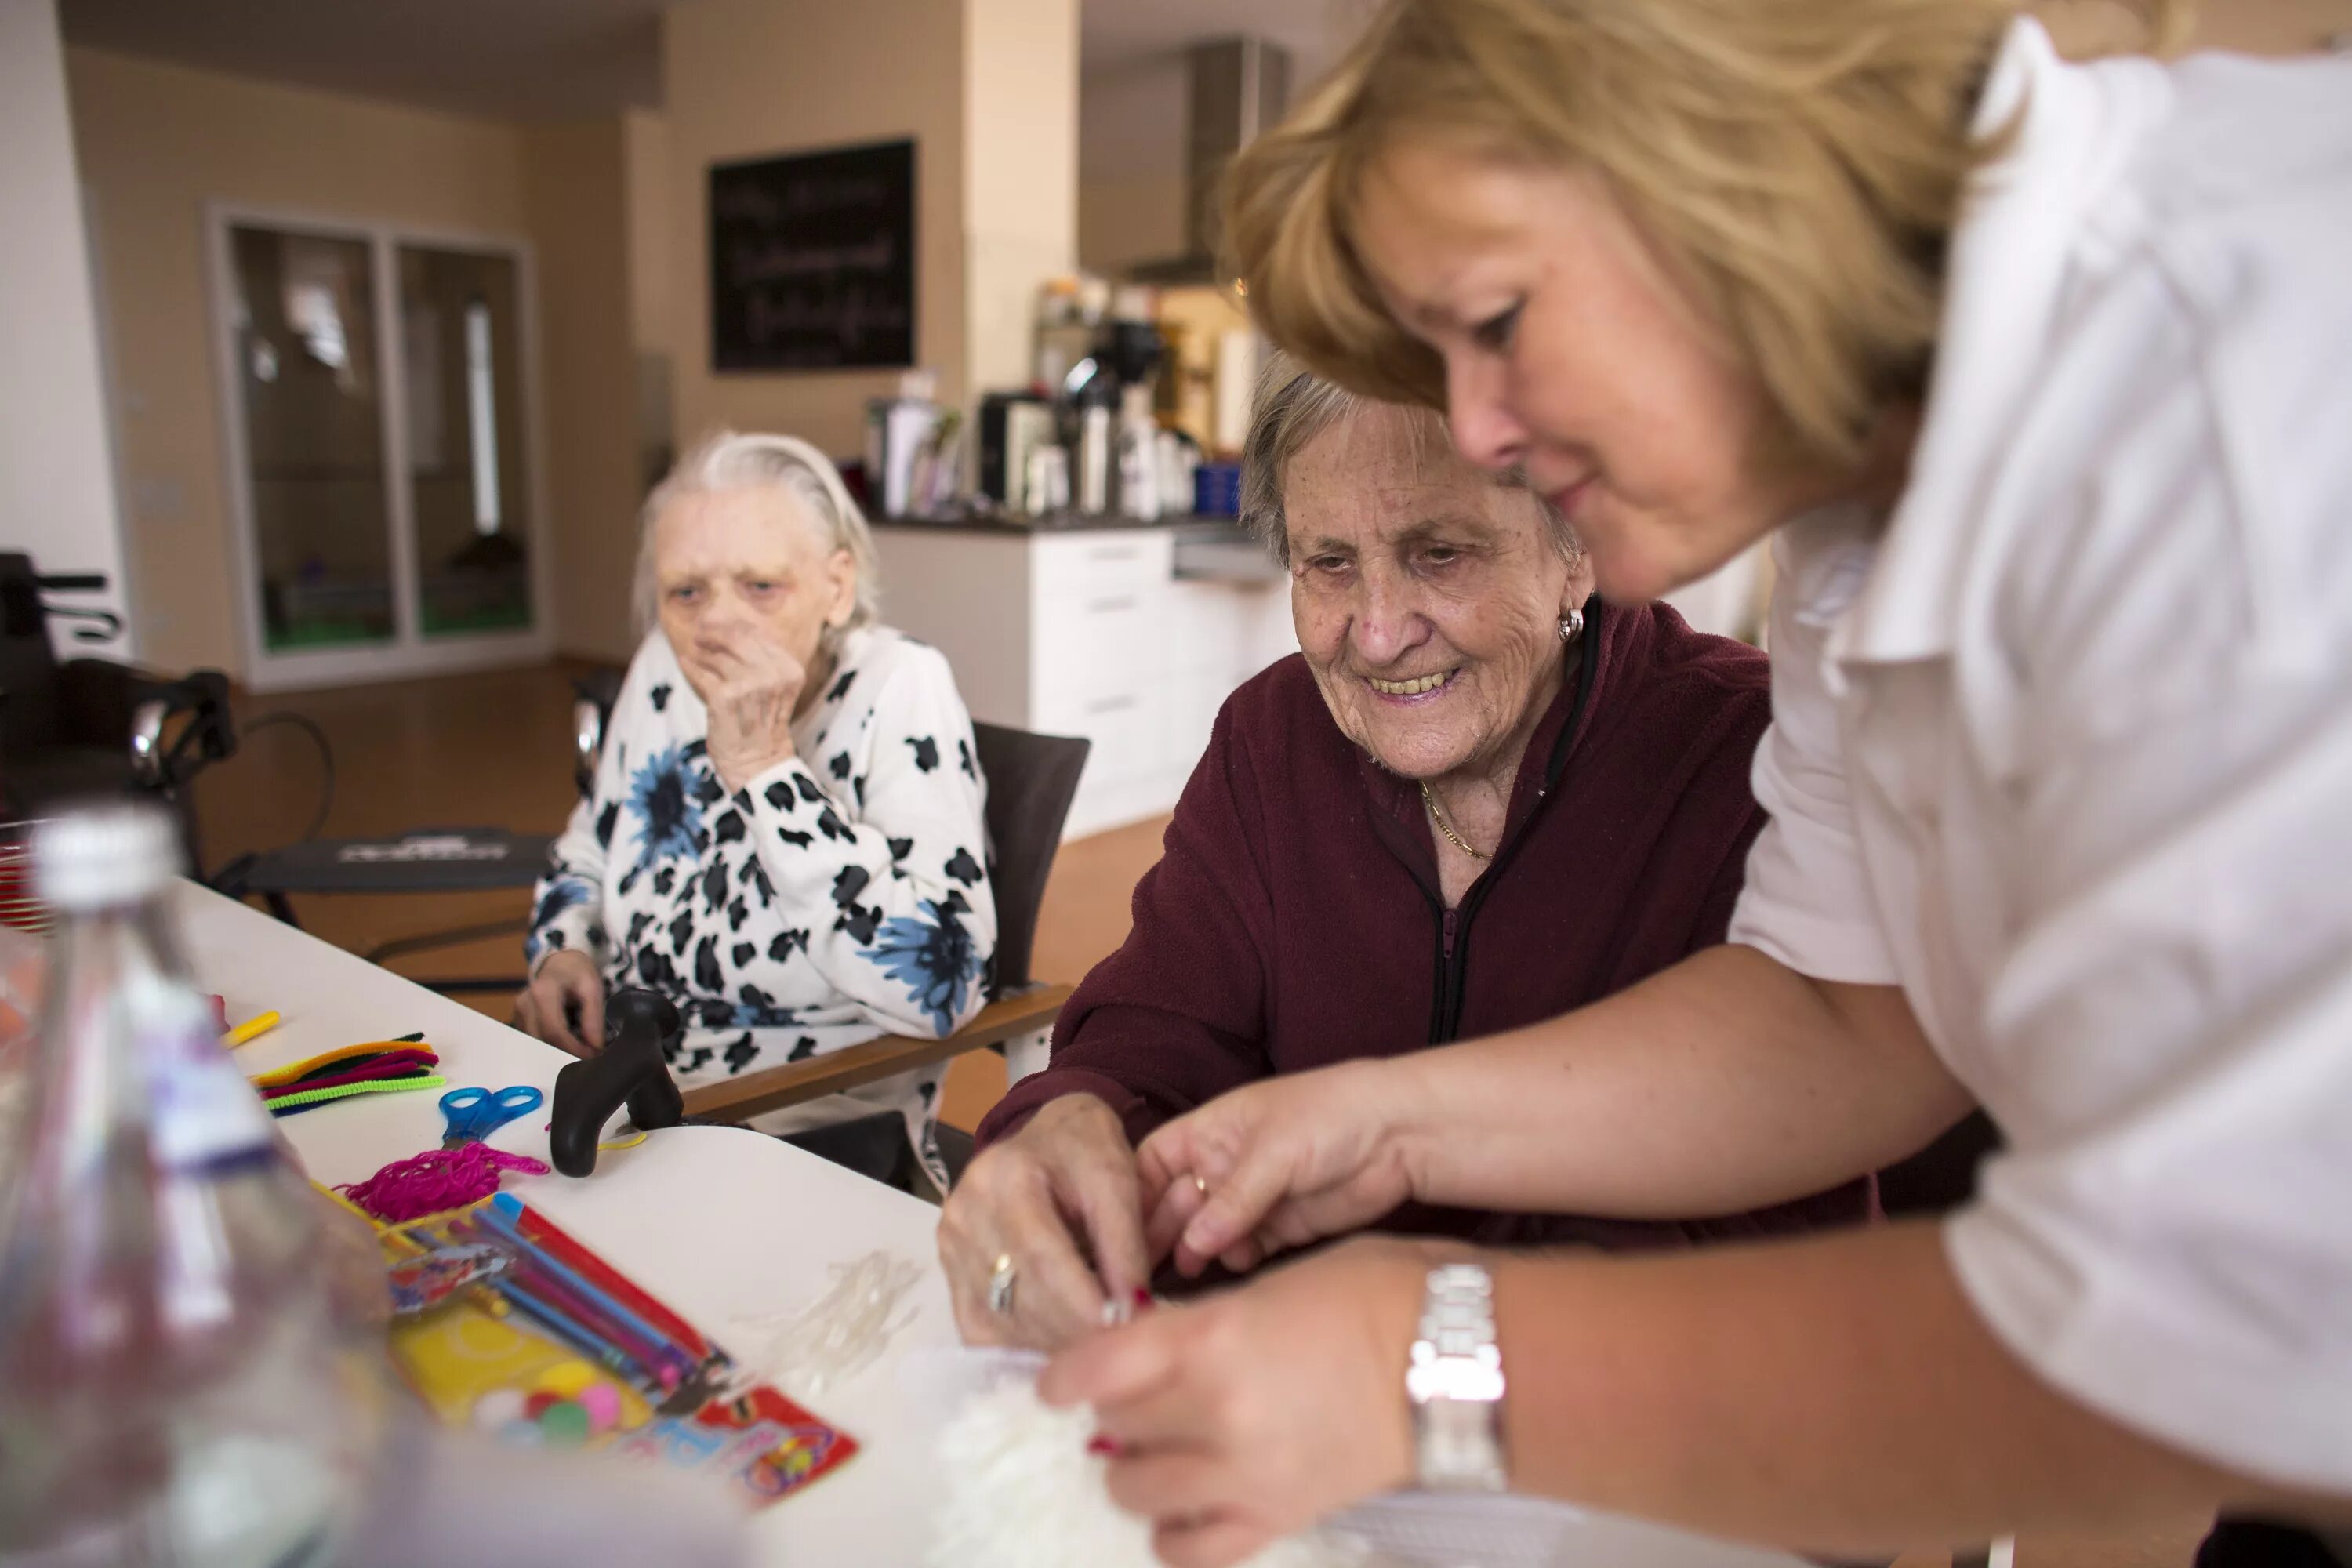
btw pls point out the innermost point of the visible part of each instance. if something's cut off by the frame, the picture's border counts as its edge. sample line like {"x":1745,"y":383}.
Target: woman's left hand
{"x":1258,"y":1411}
{"x":750,"y":684}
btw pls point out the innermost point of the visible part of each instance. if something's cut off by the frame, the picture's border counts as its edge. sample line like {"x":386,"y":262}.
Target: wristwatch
{"x":1455,"y":1383}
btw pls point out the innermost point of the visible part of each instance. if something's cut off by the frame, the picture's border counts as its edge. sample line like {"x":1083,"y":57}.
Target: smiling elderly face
{"x":1427,"y":594}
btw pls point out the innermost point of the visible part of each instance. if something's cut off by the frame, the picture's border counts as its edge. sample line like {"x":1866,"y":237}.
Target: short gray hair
{"x":732,"y":460}
{"x":1290,"y":408}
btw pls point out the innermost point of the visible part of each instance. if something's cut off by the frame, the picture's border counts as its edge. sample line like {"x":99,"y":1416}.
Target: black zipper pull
{"x":1449,"y":933}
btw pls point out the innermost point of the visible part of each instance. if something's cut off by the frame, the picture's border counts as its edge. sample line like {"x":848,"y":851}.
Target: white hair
{"x":732,"y":460}
{"x":1291,"y":406}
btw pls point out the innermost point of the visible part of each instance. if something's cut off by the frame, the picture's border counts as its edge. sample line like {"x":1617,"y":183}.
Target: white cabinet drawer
{"x":1127,"y":729}
{"x":1078,"y":567}
{"x":1114,"y":637}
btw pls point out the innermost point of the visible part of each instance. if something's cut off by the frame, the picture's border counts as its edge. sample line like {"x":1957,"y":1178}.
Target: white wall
{"x":56,"y":473}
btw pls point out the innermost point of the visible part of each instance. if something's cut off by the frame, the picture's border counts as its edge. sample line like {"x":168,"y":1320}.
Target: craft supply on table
{"x":473,"y":1115}
{"x":555,"y":1348}
{"x":1024,"y":1489}
{"x":436,"y":1181}
{"x":378,"y":1067}
{"x":252,"y":1029}
{"x":839,"y":1334}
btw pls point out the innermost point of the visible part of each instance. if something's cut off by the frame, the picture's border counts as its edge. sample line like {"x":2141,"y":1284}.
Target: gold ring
{"x":1000,"y":1286}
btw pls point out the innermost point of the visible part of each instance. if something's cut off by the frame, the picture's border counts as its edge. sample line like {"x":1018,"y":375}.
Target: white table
{"x":719,"y":1223}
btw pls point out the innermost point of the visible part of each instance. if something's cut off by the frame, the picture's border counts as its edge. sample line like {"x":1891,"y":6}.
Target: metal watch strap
{"x":1455,"y":1383}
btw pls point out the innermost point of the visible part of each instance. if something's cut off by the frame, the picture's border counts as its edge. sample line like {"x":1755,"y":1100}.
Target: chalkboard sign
{"x":812,"y":261}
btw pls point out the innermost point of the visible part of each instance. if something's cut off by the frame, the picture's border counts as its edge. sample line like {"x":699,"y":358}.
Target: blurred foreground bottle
{"x":174,"y":1388}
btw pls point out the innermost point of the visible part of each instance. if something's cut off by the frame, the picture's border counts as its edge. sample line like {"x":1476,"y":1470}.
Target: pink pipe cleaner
{"x":437,"y":1179}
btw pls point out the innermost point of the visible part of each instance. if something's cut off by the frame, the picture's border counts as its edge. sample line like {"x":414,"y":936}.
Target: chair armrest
{"x":740,"y":1098}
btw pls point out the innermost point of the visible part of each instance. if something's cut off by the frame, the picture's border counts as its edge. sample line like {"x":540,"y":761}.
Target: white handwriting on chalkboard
{"x":848,"y":314}
{"x":756,"y":263}
{"x":745,"y":202}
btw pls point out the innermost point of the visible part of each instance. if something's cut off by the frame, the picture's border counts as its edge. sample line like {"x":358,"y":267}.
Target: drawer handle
{"x":1110,"y":607}
{"x":1110,"y":705}
{"x":1114,"y":553}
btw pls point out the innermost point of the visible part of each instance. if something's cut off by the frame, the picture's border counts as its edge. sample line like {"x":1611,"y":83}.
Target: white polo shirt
{"x":2064,"y":750}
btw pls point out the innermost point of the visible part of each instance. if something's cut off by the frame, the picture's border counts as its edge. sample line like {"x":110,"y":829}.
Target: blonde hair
{"x":730,"y":459}
{"x":1291,"y":406}
{"x":1797,"y":167}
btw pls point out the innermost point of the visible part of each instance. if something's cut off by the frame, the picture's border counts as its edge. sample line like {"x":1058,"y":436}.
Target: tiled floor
{"x":494,"y":749}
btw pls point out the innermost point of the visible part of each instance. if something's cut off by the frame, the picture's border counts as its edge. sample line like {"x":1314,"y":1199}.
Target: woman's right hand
{"x":1057,"y":1191}
{"x":1278,"y":1164}
{"x":565,"y":982}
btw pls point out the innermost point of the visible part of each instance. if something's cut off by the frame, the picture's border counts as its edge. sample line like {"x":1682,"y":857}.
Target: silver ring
{"x":1000,"y":1286}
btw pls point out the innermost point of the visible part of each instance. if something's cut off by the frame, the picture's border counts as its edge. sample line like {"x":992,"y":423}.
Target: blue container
{"x":1217,"y":490}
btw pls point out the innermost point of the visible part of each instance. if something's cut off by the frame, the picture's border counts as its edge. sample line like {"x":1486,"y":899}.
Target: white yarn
{"x":1022,"y":1492}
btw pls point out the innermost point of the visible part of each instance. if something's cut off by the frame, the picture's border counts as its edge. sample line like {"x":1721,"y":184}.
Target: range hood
{"x":1234,"y":88}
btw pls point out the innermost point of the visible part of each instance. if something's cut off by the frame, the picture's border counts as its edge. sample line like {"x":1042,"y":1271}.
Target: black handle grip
{"x":637,"y":1025}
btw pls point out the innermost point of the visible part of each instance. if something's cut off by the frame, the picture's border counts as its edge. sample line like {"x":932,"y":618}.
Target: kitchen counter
{"x":1018,"y":524}
{"x":1132,"y":634}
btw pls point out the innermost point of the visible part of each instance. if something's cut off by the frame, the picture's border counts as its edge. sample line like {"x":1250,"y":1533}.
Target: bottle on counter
{"x":174,"y":1385}
{"x":1139,"y":454}
{"x":1094,"y":458}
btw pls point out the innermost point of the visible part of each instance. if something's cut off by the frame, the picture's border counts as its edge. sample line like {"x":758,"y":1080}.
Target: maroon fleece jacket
{"x":1295,"y":920}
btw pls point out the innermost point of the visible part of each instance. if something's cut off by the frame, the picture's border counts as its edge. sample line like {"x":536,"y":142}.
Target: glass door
{"x":470,"y":487}
{"x":381,"y":449}
{"x":308,"y":370}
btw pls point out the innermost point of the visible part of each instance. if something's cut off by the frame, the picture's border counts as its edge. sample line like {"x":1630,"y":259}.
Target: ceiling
{"x":557,"y":59}
{"x":506,"y":58}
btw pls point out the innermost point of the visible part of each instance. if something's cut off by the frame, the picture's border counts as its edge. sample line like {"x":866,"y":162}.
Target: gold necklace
{"x":1447,"y":827}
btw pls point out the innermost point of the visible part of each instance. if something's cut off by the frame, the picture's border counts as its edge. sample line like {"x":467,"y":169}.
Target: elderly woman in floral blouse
{"x":785,"y":835}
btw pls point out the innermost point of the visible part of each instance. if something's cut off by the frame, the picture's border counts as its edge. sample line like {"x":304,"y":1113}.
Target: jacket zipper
{"x":1452,"y":932}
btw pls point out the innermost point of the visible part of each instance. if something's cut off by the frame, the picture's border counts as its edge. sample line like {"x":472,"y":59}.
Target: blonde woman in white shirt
{"x":2039,"y":374}
{"x":786,"y":835}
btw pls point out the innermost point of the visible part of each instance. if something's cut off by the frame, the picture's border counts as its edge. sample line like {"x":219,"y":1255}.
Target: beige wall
{"x":575,"y":201}
{"x":1021,"y":176}
{"x":158,"y":142}
{"x":743,"y":78}
{"x":646,"y":162}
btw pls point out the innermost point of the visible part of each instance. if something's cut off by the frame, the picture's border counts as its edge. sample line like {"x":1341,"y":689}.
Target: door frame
{"x":409,"y":653}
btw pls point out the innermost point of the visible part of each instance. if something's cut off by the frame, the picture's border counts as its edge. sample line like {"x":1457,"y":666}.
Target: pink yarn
{"x":436,"y":1180}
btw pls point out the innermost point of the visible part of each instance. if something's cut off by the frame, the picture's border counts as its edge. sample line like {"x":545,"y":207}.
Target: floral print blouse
{"x":841,"y":895}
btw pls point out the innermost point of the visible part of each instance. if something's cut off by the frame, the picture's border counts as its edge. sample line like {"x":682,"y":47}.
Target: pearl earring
{"x":1572,"y":625}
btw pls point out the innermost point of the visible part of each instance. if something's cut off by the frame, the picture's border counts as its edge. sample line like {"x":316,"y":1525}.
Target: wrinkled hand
{"x":751,"y":685}
{"x":565,"y":981}
{"x":1260,"y":1410}
{"x":1058,"y":1192}
{"x":1278,"y":1164}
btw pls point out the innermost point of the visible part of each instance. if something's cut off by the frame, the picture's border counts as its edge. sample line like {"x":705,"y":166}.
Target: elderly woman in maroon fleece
{"x":1477,"y":798}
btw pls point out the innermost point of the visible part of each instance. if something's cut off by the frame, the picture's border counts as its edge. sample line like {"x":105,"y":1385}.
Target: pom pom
{"x":1024,"y":1492}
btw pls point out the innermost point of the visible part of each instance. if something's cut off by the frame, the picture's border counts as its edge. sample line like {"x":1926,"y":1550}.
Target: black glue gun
{"x":637,"y":1025}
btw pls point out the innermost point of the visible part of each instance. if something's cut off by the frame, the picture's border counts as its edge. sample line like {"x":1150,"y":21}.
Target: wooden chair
{"x":1031,"y":780}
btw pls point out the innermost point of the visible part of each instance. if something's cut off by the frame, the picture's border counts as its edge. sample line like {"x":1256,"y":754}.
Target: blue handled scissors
{"x":475,"y":1114}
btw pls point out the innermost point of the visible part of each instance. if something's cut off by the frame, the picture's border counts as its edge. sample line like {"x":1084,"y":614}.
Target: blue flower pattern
{"x":935,"y":959}
{"x":782,"y":918}
{"x":667,"y":803}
